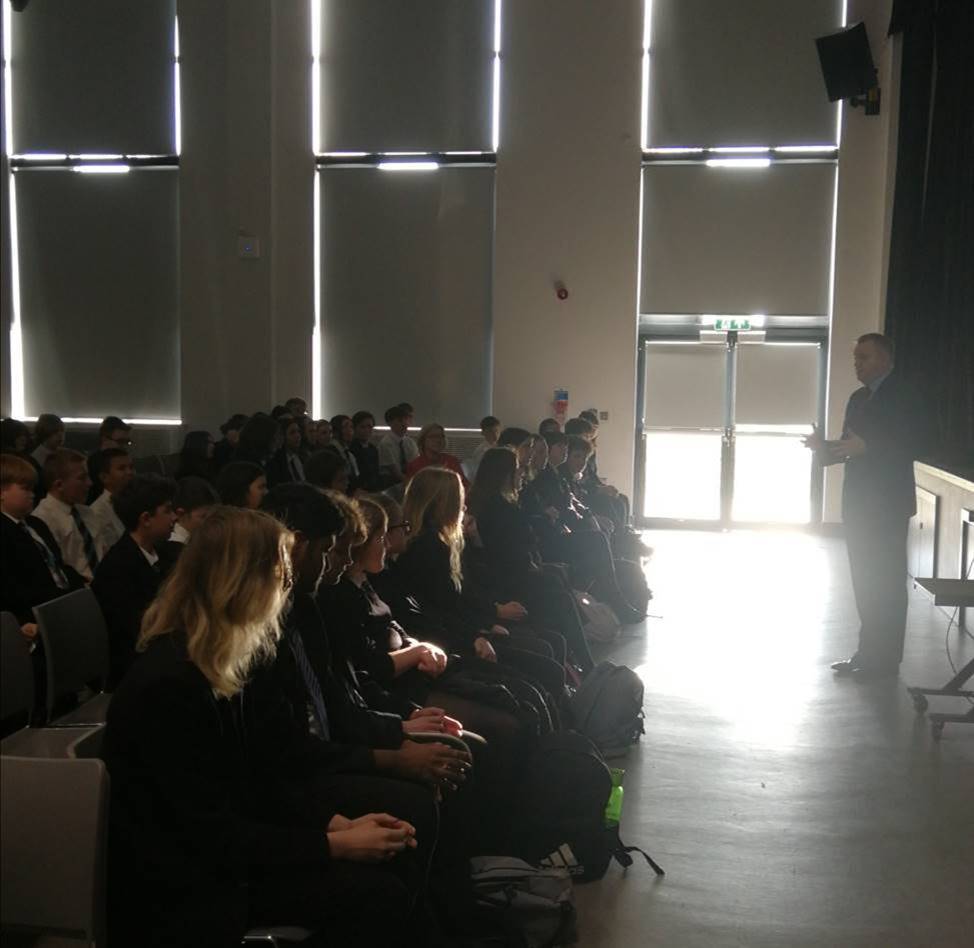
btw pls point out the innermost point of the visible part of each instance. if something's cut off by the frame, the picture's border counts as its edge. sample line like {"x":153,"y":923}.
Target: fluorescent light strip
{"x":674,"y":151}
{"x":177,"y":110}
{"x":495,"y":117}
{"x":740,"y":150}
{"x":316,"y":380}
{"x":8,"y":99}
{"x":316,"y":76}
{"x":17,"y":391}
{"x":791,"y":149}
{"x":42,"y":156}
{"x":141,"y":422}
{"x":644,"y":99}
{"x":407,"y":166}
{"x":738,"y":162}
{"x":101,"y":169}
{"x":96,"y":157}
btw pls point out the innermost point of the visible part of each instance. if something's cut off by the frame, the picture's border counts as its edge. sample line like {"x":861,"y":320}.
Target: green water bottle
{"x":613,"y":809}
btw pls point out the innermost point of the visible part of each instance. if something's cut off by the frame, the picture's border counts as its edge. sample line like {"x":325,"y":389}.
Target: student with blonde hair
{"x":198,"y":851}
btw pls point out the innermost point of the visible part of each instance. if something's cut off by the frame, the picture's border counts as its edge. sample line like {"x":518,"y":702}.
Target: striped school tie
{"x":86,"y":538}
{"x":311,"y":684}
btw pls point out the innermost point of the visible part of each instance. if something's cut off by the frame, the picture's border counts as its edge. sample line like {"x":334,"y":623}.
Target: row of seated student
{"x":308,"y":802}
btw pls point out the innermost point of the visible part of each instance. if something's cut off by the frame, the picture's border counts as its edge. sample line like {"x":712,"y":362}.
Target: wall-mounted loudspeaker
{"x":847,"y":63}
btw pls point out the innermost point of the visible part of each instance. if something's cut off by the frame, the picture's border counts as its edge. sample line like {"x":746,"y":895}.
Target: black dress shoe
{"x":869,"y":673}
{"x":845,"y":668}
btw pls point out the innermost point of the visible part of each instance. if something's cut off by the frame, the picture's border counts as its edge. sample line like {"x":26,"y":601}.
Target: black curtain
{"x":930,"y":288}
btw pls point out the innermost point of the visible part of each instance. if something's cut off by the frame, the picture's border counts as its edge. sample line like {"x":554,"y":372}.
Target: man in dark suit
{"x":881,"y":435}
{"x":127,"y":579}
{"x":33,"y":568}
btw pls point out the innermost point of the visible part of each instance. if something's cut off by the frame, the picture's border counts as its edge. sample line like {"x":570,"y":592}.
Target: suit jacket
{"x":880,"y":483}
{"x":124,"y":584}
{"x":190,"y":820}
{"x":25,"y":580}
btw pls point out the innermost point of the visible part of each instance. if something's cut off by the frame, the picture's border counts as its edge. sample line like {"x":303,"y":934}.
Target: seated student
{"x":309,"y":434}
{"x":512,"y":548}
{"x":48,"y":437}
{"x":259,"y":438}
{"x":113,"y":434}
{"x":396,"y":448}
{"x":538,"y":459}
{"x":33,"y":571}
{"x":287,"y":464}
{"x":224,"y":449}
{"x":328,"y":470}
{"x":200,"y":849}
{"x":114,"y":469}
{"x":196,"y":456}
{"x":242,"y":484}
{"x":324,"y":433}
{"x":128,"y":578}
{"x":366,"y":454}
{"x":521,"y":442}
{"x":64,"y":512}
{"x":432,"y":452}
{"x":15,"y":440}
{"x":296,"y":407}
{"x":194,"y":500}
{"x":549,"y":426}
{"x":343,"y":434}
{"x":490,"y":428}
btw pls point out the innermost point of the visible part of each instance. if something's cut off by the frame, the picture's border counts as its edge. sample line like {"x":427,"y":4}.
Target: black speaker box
{"x":847,"y":63}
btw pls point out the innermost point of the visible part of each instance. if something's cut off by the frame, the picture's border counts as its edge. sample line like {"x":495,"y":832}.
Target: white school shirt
{"x":389,"y":451}
{"x":179,"y":534}
{"x":108,"y":528}
{"x":57,"y":515}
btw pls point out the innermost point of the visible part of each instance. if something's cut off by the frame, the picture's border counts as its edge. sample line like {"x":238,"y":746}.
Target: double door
{"x":722,"y":422}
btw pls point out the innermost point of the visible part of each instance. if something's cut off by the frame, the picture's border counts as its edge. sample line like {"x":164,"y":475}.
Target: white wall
{"x":568,"y":209}
{"x":866,"y":175}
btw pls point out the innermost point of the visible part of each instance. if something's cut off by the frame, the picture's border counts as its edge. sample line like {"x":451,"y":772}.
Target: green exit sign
{"x":732,"y":325}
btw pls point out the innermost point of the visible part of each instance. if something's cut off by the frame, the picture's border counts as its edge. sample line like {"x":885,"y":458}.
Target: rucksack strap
{"x":621,"y":854}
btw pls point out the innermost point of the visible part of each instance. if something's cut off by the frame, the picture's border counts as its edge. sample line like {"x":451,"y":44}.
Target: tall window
{"x":91,"y":138}
{"x":740,"y":148}
{"x":405,"y":135}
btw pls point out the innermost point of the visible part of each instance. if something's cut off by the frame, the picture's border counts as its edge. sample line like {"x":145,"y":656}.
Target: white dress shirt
{"x":389,"y":455}
{"x":473,"y":462}
{"x":179,"y":534}
{"x":57,"y":515}
{"x":108,"y":528}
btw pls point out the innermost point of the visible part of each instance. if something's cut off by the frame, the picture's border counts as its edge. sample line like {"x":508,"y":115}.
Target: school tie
{"x":402,"y":455}
{"x":86,"y":538}
{"x":50,"y":561}
{"x":311,"y":683}
{"x":295,"y":474}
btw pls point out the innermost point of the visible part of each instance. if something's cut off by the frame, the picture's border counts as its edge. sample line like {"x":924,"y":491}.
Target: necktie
{"x":86,"y":538}
{"x":402,"y":455}
{"x":311,"y":683}
{"x":295,"y":474}
{"x":49,"y":560}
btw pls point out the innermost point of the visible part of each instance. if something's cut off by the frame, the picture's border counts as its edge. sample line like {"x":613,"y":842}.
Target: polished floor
{"x":788,"y":808}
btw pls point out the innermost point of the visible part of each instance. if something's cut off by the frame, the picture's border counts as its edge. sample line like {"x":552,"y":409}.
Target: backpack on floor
{"x":599,"y":622}
{"x":633,"y":585}
{"x":608,"y":708}
{"x":533,"y":906}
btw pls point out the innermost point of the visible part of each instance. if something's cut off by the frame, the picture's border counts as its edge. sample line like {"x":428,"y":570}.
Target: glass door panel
{"x":682,"y":475}
{"x":772,"y":478}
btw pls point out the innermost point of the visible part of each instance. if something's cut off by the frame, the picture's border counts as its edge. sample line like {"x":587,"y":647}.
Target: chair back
{"x":16,"y":670}
{"x":75,"y":639}
{"x":54,"y":822}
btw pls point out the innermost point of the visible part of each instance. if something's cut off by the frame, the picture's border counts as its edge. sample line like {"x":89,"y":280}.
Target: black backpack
{"x":560,"y":812}
{"x":608,"y":708}
{"x":632,"y":583}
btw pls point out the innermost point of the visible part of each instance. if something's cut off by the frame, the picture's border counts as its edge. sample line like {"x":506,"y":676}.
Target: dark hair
{"x":489,"y":422}
{"x":193,"y":493}
{"x":101,"y":462}
{"x":879,"y":341}
{"x":279,"y":410}
{"x":305,"y":509}
{"x":514,"y":437}
{"x":555,"y":437}
{"x":233,"y":423}
{"x":322,"y":467}
{"x":145,"y":493}
{"x":233,"y":482}
{"x":336,"y":426}
{"x":112,"y":423}
{"x":396,"y":413}
{"x":296,"y":400}
{"x":193,"y":461}
{"x":45,"y":426}
{"x":495,"y":477}
{"x":548,"y":425}
{"x":578,"y":443}
{"x":578,"y":426}
{"x":407,"y":408}
{"x":257,"y":439}
{"x":360,"y":416}
{"x":10,"y":430}
{"x":591,"y":416}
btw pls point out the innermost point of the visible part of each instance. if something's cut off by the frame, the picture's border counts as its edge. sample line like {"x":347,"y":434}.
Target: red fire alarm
{"x":561,"y":291}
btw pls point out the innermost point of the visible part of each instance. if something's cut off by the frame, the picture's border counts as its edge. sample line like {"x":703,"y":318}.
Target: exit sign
{"x":732,"y":325}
